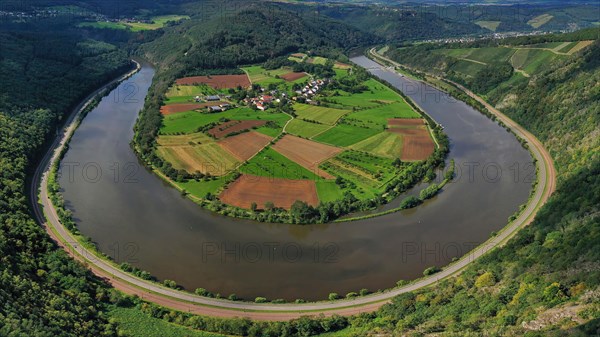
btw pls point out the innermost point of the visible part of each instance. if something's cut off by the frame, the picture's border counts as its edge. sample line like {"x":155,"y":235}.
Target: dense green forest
{"x":47,"y":66}
{"x":43,"y":74}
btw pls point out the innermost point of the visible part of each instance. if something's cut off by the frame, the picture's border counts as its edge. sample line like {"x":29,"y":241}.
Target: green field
{"x":365,"y":174}
{"x":208,"y":158}
{"x":320,"y":114}
{"x":385,"y":144}
{"x":304,"y":129}
{"x":378,"y":117}
{"x":103,"y":24}
{"x":376,"y":94}
{"x":567,"y":47}
{"x":201,"y":188}
{"x":317,"y":60}
{"x":272,"y":164}
{"x":533,"y":60}
{"x":189,"y":90}
{"x":329,"y":191}
{"x":133,"y":322}
{"x":187,"y":93}
{"x":159,"y":22}
{"x":259,"y":75}
{"x":491,"y":25}
{"x":540,"y":20}
{"x":467,"y":68}
{"x":345,"y":135}
{"x":188,"y":122}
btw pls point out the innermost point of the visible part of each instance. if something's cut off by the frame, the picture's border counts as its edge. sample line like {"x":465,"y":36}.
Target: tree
{"x":486,"y":279}
{"x":253,"y":207}
{"x":333,"y":296}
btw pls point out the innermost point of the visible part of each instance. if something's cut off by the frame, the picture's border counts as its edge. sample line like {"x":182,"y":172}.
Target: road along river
{"x":136,"y":218}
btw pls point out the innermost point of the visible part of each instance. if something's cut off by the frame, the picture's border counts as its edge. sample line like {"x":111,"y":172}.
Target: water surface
{"x":137,"y":218}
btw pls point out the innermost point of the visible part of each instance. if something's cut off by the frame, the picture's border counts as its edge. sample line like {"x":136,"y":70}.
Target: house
{"x":260,"y":106}
{"x":225,"y":106}
{"x":267,"y":99}
{"x":215,"y":108}
{"x":213,"y":98}
{"x":197,"y":99}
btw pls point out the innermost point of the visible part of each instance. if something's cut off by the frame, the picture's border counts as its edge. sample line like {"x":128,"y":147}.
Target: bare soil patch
{"x":217,"y":81}
{"x":281,"y":192}
{"x":292,"y":76}
{"x":307,"y":153}
{"x":417,"y":142}
{"x":244,"y":146}
{"x":230,"y":127}
{"x":400,"y":122}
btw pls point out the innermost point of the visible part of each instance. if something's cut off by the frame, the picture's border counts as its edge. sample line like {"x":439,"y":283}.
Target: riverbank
{"x":200,"y":305}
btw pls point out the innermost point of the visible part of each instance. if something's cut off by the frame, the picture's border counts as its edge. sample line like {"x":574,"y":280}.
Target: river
{"x":135,"y":217}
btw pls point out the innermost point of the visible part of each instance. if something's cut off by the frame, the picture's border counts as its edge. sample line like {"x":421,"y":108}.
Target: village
{"x":263,"y":98}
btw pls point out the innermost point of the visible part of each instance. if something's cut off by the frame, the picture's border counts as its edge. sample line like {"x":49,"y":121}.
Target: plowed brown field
{"x":217,"y":81}
{"x":244,"y":146}
{"x":292,"y":76}
{"x":230,"y":127}
{"x":281,"y":192}
{"x":306,"y":153}
{"x":404,"y":122}
{"x":417,"y":142}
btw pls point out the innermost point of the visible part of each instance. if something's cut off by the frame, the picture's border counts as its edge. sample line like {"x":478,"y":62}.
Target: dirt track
{"x":47,"y":217}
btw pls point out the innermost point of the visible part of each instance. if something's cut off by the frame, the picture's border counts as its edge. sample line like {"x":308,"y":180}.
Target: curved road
{"x":46,"y":215}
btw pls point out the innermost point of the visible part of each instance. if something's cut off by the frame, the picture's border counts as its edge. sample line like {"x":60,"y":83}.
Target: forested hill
{"x":395,"y":24}
{"x":547,"y":277}
{"x":252,"y":34}
{"x":43,"y":73}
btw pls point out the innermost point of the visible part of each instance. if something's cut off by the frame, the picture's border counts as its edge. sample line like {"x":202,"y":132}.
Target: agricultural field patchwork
{"x":191,"y":121}
{"x":205,"y":157}
{"x":233,"y":127}
{"x":272,"y":164}
{"x":385,"y":144}
{"x":343,"y":144}
{"x":244,"y":146}
{"x":378,"y":117}
{"x":305,"y":152}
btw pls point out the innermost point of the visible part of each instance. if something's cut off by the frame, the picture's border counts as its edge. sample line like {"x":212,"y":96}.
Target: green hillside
{"x":545,"y":268}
